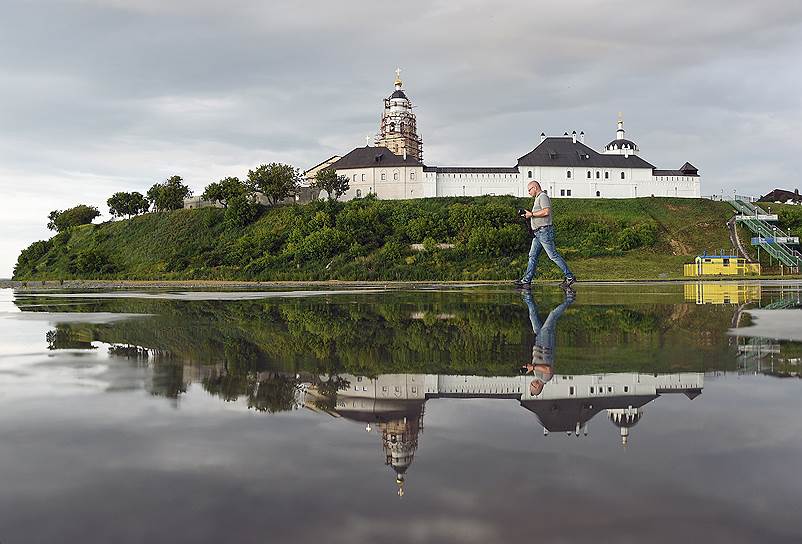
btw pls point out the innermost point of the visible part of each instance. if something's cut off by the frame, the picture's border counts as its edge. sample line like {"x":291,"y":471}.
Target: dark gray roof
{"x":686,"y":169}
{"x":562,"y":151}
{"x":368,"y":157}
{"x":657,"y":172}
{"x":399,"y":94}
{"x":781,"y":195}
{"x":472,"y":169}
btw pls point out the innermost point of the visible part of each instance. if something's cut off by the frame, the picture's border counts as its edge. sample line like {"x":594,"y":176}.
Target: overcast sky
{"x":104,"y":96}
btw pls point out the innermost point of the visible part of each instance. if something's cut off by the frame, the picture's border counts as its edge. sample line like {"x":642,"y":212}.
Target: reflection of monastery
{"x":394,"y":403}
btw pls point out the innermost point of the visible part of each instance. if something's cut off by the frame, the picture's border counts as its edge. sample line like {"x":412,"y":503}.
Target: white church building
{"x":564,"y":165}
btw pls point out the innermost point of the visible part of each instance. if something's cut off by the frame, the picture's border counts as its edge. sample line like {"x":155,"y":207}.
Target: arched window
{"x":529,"y":174}
{"x":607,"y":175}
{"x":395,"y":175}
{"x":384,"y":175}
{"x":588,"y":174}
{"x":412,"y":176}
{"x":392,"y":127}
{"x":597,"y":174}
{"x":598,"y":193}
{"x":622,"y":175}
{"x":568,"y":174}
{"x":359,"y":193}
{"x":363,"y":177}
{"x":355,"y":178}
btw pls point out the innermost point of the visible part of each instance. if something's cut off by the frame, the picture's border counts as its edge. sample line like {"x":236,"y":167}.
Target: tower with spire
{"x":621,"y":146}
{"x":398,"y":131}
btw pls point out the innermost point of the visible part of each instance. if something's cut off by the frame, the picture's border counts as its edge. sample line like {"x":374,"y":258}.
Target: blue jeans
{"x":545,"y":332}
{"x":544,"y":240}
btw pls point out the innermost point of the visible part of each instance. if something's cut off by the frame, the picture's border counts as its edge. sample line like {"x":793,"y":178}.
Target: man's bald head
{"x":533,"y":188}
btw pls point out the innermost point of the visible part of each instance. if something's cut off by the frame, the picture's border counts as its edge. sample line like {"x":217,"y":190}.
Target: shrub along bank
{"x":369,"y":239}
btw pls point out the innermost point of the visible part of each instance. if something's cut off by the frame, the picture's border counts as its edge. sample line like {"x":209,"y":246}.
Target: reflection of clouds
{"x":443,"y":528}
{"x":776,"y":324}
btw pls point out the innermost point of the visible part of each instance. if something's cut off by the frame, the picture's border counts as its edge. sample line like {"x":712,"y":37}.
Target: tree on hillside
{"x":275,"y":181}
{"x":72,"y":217}
{"x":225,"y":190}
{"x":328,"y":180}
{"x":127,"y":204}
{"x":169,"y":195}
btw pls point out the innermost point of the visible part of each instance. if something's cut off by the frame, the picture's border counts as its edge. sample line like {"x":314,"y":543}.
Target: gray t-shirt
{"x":541,"y":201}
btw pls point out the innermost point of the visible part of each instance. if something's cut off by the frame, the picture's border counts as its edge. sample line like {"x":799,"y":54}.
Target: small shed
{"x":721,"y":265}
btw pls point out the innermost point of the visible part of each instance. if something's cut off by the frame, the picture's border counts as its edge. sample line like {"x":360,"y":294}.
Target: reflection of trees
{"x":275,"y":393}
{"x":167,"y":379}
{"x":65,"y":337}
{"x":433,"y":332}
{"x":327,"y":388}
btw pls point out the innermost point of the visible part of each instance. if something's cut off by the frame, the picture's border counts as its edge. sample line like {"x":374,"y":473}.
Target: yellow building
{"x":721,"y":293}
{"x":721,"y":265}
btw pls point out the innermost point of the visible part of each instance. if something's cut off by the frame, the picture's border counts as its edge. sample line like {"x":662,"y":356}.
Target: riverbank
{"x":223,"y":284}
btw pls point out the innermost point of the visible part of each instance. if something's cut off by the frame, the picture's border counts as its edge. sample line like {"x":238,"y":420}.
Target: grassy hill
{"x":370,"y":239}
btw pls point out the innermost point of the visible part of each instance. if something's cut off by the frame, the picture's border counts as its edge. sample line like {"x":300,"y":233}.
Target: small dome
{"x":398,"y":94}
{"x":625,"y":418}
{"x":621,"y":144}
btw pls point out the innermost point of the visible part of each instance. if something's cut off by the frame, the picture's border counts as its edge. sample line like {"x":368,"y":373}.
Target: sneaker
{"x":522,"y":284}
{"x":568,"y":282}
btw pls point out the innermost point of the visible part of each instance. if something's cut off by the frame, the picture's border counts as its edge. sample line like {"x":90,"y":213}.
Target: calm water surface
{"x":443,"y":414}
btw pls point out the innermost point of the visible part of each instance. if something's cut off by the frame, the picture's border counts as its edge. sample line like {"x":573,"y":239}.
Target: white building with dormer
{"x":564,"y":165}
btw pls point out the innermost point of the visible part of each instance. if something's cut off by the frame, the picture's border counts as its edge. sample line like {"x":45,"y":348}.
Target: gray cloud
{"x":100,"y":96}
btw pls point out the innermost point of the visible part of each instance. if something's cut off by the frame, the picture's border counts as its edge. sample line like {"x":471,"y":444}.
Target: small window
{"x":598,"y":193}
{"x":414,"y":389}
{"x":359,"y":378}
{"x":529,"y":174}
{"x":568,"y":192}
{"x":562,"y":192}
{"x":626,"y":389}
{"x":726,"y":262}
{"x":384,"y":176}
{"x":355,"y":177}
{"x":588,"y":174}
{"x":622,"y":175}
{"x":358,"y":193}
{"x":384,"y":388}
{"x":395,"y":175}
{"x":571,"y":390}
{"x":397,"y":389}
{"x":607,"y":175}
{"x":597,"y":174}
{"x":363,"y":177}
{"x":568,"y":174}
{"x":412,"y":176}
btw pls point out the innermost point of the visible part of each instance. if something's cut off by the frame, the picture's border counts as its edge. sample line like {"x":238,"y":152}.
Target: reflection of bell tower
{"x":398,"y":131}
{"x":400,"y":440}
{"x":625,"y":419}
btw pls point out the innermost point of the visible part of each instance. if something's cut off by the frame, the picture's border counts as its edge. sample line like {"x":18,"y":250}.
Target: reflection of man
{"x":542,"y":363}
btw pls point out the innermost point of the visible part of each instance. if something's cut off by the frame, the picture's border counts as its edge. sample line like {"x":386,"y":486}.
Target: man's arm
{"x":540,"y":213}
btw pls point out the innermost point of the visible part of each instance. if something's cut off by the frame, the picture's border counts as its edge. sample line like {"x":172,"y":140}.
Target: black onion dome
{"x":398,"y":94}
{"x":622,"y":143}
{"x":626,"y":420}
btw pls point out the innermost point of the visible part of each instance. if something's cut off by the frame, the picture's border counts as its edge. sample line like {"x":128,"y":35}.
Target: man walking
{"x":542,"y":237}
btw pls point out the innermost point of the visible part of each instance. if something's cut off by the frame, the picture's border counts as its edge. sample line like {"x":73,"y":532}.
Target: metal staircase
{"x":773,"y":240}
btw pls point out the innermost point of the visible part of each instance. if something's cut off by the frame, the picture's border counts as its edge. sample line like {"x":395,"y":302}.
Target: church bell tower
{"x":398,"y":131}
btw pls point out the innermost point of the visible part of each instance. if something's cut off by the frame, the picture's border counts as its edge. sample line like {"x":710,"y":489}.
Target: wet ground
{"x":422,"y":413}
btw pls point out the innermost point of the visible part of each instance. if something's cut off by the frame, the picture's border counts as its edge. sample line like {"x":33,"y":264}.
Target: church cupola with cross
{"x":398,"y":131}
